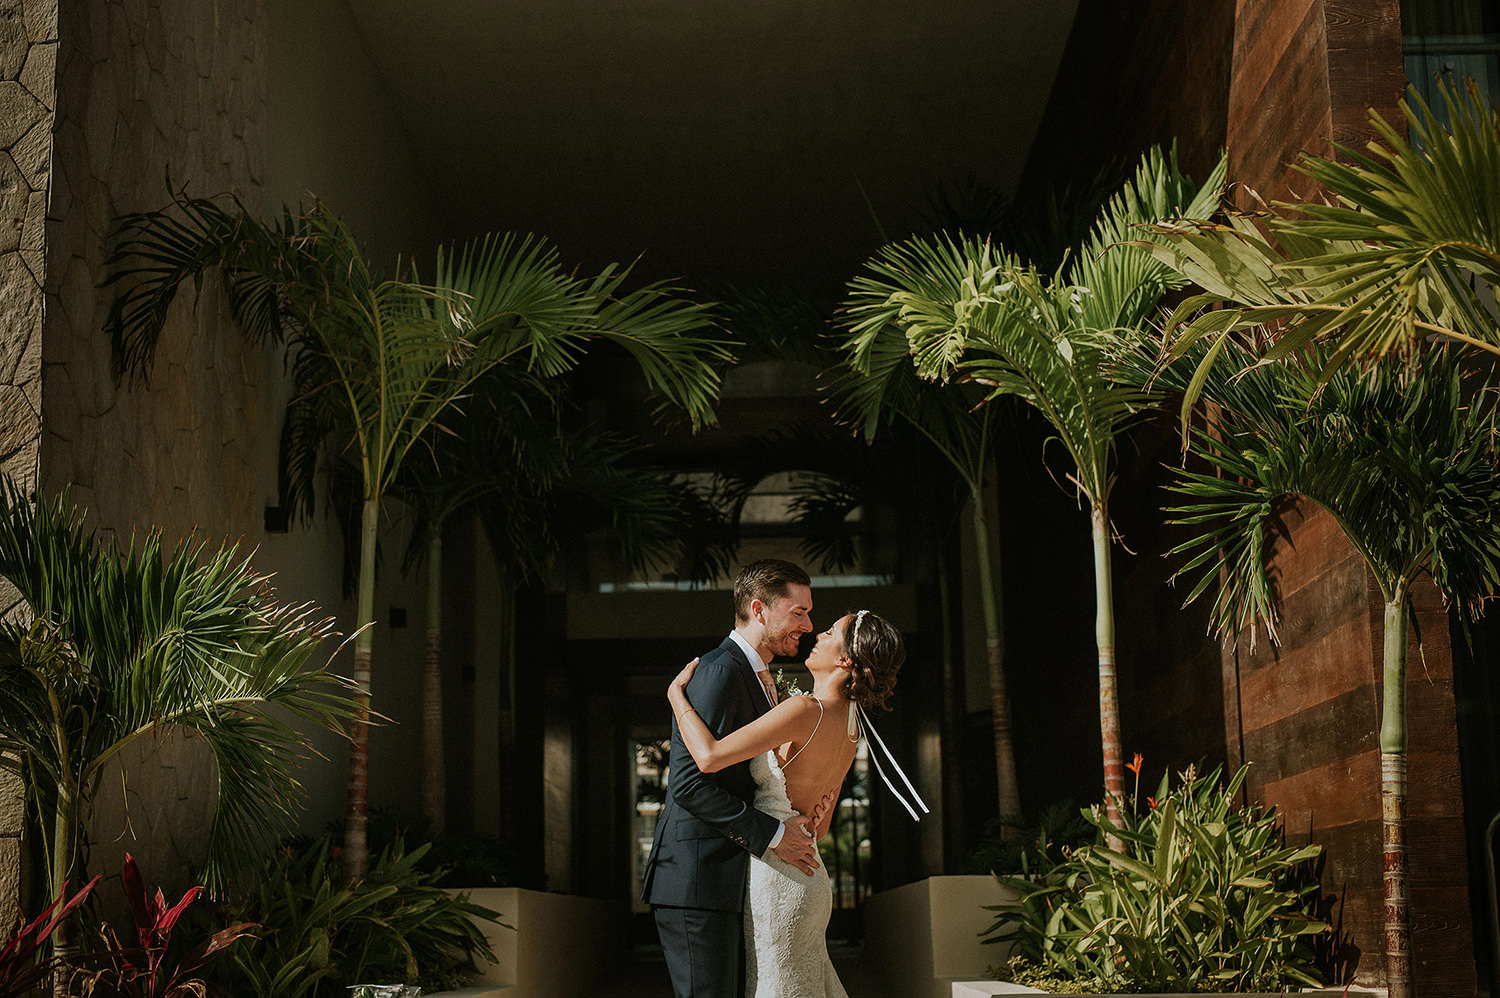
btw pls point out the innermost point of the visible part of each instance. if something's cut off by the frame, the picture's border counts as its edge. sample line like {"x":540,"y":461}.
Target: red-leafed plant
{"x":143,"y":970}
{"x":23,"y":964}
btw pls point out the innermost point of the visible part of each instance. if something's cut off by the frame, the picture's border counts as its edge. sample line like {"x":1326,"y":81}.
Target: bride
{"x":799,"y":753}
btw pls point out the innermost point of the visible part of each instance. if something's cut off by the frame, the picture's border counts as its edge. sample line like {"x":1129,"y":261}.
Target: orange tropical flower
{"x":1152,"y":802}
{"x":1135,"y":767}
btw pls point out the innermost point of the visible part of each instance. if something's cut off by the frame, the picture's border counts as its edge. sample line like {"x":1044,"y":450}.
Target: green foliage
{"x":454,"y":859}
{"x":961,"y":310}
{"x":1409,"y":247}
{"x":1406,"y":461}
{"x":1203,"y":895}
{"x":320,"y":934}
{"x":1047,"y":978}
{"x":1035,"y":845}
{"x":126,"y":642}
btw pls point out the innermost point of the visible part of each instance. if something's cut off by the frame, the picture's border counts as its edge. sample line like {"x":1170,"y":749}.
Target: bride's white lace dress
{"x":786,"y":912}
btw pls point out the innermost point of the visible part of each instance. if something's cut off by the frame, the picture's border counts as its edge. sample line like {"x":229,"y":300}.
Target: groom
{"x":708,"y":831}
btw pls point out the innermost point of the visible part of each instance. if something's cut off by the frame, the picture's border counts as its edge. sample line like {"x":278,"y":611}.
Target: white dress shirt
{"x":760,"y":666}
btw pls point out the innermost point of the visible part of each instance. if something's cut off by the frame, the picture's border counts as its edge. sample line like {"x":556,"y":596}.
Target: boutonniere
{"x":788,"y":687}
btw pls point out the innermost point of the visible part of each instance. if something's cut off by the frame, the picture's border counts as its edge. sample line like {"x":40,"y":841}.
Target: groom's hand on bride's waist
{"x":797,"y":846}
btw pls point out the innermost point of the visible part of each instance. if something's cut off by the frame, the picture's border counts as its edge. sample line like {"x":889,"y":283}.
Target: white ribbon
{"x":874,"y":757}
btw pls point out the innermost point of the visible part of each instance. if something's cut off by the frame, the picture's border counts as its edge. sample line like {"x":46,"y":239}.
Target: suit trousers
{"x":705,"y":951}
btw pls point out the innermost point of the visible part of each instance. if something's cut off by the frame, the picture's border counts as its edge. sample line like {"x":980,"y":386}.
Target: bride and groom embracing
{"x":741,"y":901}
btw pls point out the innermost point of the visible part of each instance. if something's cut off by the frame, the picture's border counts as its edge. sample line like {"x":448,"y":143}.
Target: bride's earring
{"x":853,"y":725}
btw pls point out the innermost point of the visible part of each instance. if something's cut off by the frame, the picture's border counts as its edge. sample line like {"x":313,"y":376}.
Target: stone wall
{"x":28,"y":58}
{"x":147,"y":90}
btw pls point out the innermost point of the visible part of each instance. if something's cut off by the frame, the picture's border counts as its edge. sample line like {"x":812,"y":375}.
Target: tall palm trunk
{"x":989,"y":596}
{"x":511,"y":831}
{"x":1393,"y":800}
{"x":65,"y":936}
{"x":434,"y":776}
{"x":953,"y":714}
{"x":1104,"y":636}
{"x":64,"y":837}
{"x":356,"y":814}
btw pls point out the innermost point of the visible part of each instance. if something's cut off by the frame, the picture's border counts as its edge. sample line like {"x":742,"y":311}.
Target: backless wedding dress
{"x":786,"y":911}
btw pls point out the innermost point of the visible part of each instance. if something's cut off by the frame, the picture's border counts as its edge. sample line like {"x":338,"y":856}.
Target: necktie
{"x":764,"y":675}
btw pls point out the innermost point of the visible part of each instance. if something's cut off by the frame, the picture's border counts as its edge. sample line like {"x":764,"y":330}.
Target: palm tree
{"x":124,"y":644}
{"x":377,"y":364}
{"x":1407,"y":254}
{"x":879,"y":386}
{"x":967,"y":314}
{"x":1409,"y":249}
{"x":1406,"y":464}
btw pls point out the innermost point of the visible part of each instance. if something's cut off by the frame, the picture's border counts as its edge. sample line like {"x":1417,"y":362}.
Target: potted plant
{"x":1202,"y":895}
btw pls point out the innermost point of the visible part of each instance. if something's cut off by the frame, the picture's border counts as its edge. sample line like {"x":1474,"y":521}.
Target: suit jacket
{"x":708,"y":830}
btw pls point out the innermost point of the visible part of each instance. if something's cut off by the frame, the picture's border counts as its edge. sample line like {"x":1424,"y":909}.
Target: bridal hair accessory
{"x":853,"y":718}
{"x":873,"y":741}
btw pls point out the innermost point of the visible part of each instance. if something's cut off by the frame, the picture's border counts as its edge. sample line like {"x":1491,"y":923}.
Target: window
{"x":1451,"y":40}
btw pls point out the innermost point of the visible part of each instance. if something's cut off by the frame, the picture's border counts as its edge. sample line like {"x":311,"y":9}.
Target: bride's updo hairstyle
{"x":876,"y":653}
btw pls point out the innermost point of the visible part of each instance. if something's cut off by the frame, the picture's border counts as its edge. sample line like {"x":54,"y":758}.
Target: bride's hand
{"x":687,"y":673}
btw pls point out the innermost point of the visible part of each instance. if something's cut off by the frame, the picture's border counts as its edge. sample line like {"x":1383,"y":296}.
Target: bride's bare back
{"x":816,"y":768}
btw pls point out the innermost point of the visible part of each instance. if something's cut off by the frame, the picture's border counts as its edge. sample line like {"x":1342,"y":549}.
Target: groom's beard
{"x":784,"y":644}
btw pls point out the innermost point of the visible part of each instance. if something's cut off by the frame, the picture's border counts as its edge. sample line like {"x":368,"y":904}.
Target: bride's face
{"x":828,"y":649}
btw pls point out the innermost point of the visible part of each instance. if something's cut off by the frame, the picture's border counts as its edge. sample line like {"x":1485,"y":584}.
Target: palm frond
{"x":664,"y":333}
{"x":1406,"y":463}
{"x":154,"y":253}
{"x":128,"y":642}
{"x":1407,"y":252}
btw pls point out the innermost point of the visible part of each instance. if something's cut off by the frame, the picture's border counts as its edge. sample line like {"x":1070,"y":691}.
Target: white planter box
{"x":926,"y":935}
{"x":561,"y":945}
{"x":985,"y":989}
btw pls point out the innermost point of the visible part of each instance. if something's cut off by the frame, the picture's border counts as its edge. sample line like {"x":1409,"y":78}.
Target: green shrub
{"x":1202,"y":895}
{"x":320,"y":934}
{"x":1021,"y":846}
{"x":457,"y":859}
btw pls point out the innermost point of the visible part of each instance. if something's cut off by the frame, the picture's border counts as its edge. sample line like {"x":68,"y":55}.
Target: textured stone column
{"x":28,"y":65}
{"x":146,"y":90}
{"x":28,"y":70}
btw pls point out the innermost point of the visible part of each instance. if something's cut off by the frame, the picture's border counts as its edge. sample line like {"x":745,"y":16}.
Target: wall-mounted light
{"x":278,"y":519}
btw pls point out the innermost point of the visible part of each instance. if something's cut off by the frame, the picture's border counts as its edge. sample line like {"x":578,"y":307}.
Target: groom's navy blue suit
{"x":706,"y":835}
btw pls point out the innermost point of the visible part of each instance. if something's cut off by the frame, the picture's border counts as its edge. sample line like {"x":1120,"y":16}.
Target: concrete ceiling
{"x":725,"y":142}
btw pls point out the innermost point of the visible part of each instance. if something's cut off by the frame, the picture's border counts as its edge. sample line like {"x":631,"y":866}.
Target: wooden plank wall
{"x":1304,"y":74}
{"x":1133,"y":75}
{"x":1309,"y":718}
{"x":1268,"y":80}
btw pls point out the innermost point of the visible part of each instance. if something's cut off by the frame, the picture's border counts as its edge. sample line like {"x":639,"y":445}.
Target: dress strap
{"x":814,"y":731}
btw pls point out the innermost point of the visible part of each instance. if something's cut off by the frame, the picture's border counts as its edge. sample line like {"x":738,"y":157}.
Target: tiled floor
{"x":645,"y":975}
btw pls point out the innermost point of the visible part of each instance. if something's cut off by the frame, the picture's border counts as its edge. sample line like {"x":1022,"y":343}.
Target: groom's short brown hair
{"x":766,"y":580}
